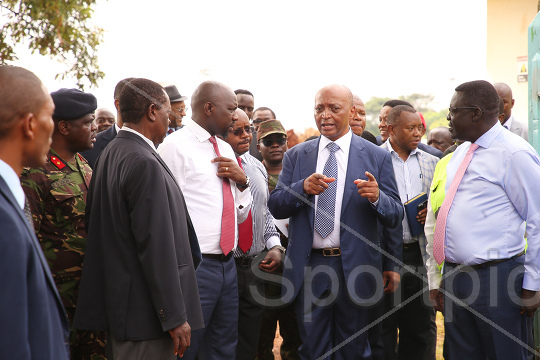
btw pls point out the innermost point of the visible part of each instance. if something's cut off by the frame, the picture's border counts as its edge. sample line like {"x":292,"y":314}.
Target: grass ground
{"x":440,"y":339}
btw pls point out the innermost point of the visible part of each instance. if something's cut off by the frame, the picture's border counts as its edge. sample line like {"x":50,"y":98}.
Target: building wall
{"x":507,"y":24}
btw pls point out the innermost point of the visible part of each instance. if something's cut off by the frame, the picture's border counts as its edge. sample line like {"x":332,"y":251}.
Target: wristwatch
{"x":280,"y":248}
{"x":243,"y":186}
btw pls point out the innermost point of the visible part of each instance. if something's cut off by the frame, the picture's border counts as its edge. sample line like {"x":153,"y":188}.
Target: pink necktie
{"x":228,"y":224}
{"x":245,"y":229}
{"x":440,"y":225}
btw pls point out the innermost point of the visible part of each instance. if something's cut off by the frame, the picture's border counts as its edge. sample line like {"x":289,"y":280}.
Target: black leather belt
{"x":244,"y":261}
{"x":218,"y":257}
{"x":327,"y":251}
{"x":486,"y":264}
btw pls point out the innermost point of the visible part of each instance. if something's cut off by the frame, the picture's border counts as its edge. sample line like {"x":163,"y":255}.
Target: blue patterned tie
{"x":326,"y":205}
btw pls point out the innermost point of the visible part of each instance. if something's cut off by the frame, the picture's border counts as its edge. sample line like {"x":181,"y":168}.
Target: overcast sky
{"x":284,"y":51}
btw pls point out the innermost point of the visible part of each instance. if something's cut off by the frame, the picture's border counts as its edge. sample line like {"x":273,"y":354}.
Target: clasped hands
{"x":315,"y":184}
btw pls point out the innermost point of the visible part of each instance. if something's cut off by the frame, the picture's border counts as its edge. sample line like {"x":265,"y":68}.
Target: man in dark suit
{"x":139,"y":277}
{"x":334,"y":190}
{"x":105,"y":137}
{"x":33,"y":323}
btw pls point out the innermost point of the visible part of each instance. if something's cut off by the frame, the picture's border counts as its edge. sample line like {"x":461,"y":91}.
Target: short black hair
{"x":395,"y":102}
{"x":482,"y":94}
{"x":369,"y":137}
{"x":243,"y":91}
{"x":137,"y":96}
{"x":262,"y":108}
{"x":118,"y":88}
{"x":396,"y":111}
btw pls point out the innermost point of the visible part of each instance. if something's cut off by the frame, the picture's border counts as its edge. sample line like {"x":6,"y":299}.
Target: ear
{"x":258,"y":147}
{"x":151,"y":112}
{"x":477,"y":114}
{"x":209,"y":108}
{"x":117,"y":104}
{"x":28,"y":126}
{"x":512,"y":103}
{"x":64,"y":127}
{"x":352,"y":112}
{"x":391,"y":130}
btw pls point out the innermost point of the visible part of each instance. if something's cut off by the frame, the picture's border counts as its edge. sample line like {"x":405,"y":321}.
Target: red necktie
{"x":228,"y":223}
{"x":245,"y":229}
{"x":440,"y":225}
{"x":170,"y":131}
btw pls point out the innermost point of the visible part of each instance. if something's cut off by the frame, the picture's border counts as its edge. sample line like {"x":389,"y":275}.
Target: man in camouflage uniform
{"x":57,"y":199}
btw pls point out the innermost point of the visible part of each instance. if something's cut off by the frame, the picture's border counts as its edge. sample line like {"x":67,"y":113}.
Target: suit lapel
{"x":308,"y":165}
{"x":194,"y":242}
{"x":6,"y":192}
{"x":355,"y":169}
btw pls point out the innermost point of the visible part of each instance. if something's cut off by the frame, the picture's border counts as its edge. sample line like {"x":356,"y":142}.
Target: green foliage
{"x":373,"y":107}
{"x":58,"y":29}
{"x":435,"y":119}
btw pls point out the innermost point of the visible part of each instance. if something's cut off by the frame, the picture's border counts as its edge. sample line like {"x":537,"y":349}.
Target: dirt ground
{"x":440,"y":339}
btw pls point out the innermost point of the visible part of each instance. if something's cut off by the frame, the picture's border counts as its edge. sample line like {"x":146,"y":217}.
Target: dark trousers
{"x":485,"y":321}
{"x":415,"y":317}
{"x":218,"y":291}
{"x":288,"y":328}
{"x":250,"y":310}
{"x":331,"y":326}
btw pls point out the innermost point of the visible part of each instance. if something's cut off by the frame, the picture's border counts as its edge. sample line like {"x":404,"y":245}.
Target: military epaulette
{"x":56,"y":161}
{"x":82,"y":158}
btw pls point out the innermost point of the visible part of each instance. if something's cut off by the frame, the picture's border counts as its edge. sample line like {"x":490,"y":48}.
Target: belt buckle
{"x":331,"y":252}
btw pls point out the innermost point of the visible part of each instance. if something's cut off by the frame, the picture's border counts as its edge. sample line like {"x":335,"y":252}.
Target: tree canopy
{"x":58,"y":29}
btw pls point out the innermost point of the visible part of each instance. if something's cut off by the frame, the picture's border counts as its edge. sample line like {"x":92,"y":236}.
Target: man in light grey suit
{"x":509,"y":122}
{"x":414,"y":170}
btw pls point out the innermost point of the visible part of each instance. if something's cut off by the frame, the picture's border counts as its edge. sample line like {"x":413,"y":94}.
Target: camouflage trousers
{"x":86,"y":344}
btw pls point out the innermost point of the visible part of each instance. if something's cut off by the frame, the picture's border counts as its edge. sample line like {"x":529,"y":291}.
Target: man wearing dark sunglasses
{"x":256,"y":233}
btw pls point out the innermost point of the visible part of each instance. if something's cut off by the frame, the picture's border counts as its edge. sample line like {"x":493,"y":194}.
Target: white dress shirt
{"x":188,"y":153}
{"x":342,"y":157}
{"x":409,"y":182}
{"x":12,"y":180}
{"x":147,"y":140}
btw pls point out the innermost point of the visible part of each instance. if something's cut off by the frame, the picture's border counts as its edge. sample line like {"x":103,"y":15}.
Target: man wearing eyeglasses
{"x":255,"y":234}
{"x":490,"y":285}
{"x":178,"y":107}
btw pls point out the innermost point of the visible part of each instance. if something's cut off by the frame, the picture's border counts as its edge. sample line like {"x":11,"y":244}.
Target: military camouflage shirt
{"x":57,"y":198}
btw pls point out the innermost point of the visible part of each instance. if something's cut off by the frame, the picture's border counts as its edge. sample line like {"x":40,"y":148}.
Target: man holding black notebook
{"x":413,"y":169}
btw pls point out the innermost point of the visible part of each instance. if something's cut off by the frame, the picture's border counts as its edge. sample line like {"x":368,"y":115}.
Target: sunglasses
{"x":239,"y":132}
{"x":270,"y":142}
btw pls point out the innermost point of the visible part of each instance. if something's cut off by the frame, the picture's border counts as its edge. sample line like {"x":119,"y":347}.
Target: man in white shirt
{"x":217,"y":195}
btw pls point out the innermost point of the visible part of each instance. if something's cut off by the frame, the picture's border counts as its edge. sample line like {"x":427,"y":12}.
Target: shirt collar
{"x":343,"y":142}
{"x":117,"y":127}
{"x":508,"y":123}
{"x":12,"y":180}
{"x":200,"y":133}
{"x":487,"y":138}
{"x":148,"y":141}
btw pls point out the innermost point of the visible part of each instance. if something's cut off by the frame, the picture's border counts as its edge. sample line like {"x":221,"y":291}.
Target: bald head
{"x":241,"y":114}
{"x":21,"y":92}
{"x":440,"y":138}
{"x":338,"y":90}
{"x":213,"y":107}
{"x":505,"y":92}
{"x":358,"y":122}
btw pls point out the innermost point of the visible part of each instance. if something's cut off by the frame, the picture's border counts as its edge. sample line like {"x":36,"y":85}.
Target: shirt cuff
{"x":273,"y":241}
{"x":243,"y":198}
{"x":374,"y":203}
